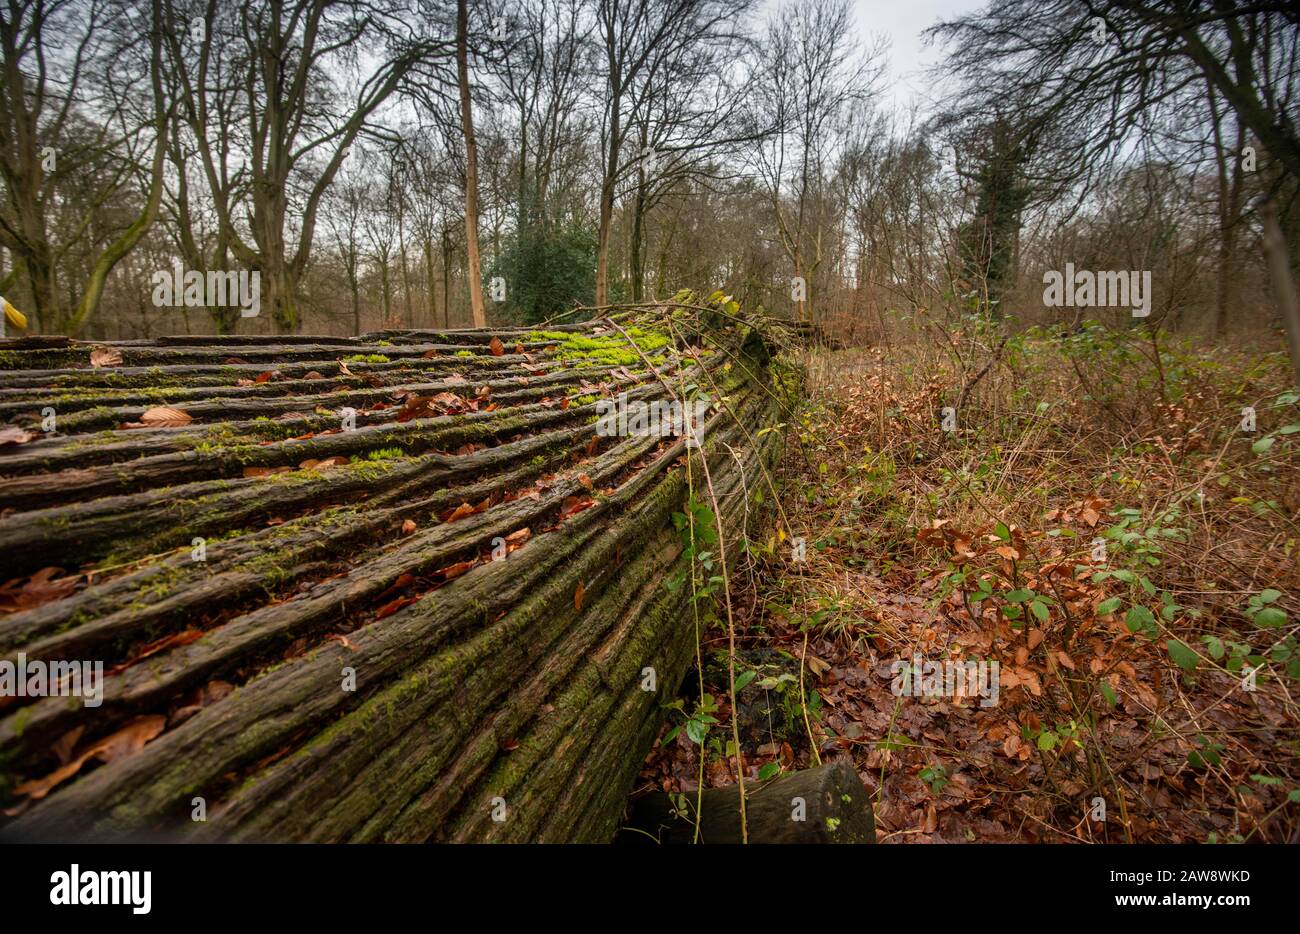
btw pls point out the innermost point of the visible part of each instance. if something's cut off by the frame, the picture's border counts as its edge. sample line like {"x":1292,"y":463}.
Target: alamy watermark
{"x":190,"y":288}
{"x":621,"y":418}
{"x":37,"y":678}
{"x":916,"y":677}
{"x":79,"y":886}
{"x":1102,"y":289}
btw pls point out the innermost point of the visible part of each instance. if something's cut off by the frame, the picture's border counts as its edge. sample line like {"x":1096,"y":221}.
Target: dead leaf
{"x":388,"y":609}
{"x":342,"y":640}
{"x":496,"y":347}
{"x":105,"y":356}
{"x":265,"y":471}
{"x":816,"y":665}
{"x":573,"y":505}
{"x":408,"y":526}
{"x":25,"y":593}
{"x":126,"y":741}
{"x":163,"y":416}
{"x":460,"y":512}
{"x":158,"y":645}
{"x":14,"y":436}
{"x":519,"y":537}
{"x":456,"y":570}
{"x":578,"y":594}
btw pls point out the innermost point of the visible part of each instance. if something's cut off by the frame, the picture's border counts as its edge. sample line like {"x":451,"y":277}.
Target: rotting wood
{"x":485,"y":689}
{"x":826,"y":804}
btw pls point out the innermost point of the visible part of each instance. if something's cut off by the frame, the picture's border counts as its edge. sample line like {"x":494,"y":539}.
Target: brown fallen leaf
{"x":14,"y":436}
{"x":460,"y":512}
{"x":342,"y":640}
{"x":158,"y":645}
{"x":126,"y":741}
{"x":573,"y":505}
{"x":495,"y":347}
{"x":265,"y":471}
{"x":519,"y":348}
{"x":519,"y":537}
{"x":343,"y":368}
{"x":408,"y":526}
{"x":313,"y":374}
{"x":388,"y":609}
{"x":456,"y":570}
{"x":105,"y":356}
{"x":578,"y":595}
{"x":26,"y":593}
{"x":164,"y":416}
{"x":816,"y":665}
{"x":63,"y":746}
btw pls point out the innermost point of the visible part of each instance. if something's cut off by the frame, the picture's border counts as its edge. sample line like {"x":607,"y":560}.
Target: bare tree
{"x":477,"y":310}
{"x":68,"y":129}
{"x":815,"y":78}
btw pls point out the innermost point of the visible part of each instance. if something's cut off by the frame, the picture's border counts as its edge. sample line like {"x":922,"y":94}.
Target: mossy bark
{"x":499,"y":700}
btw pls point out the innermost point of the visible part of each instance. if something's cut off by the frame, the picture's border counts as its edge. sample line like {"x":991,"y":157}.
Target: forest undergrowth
{"x":1110,"y":516}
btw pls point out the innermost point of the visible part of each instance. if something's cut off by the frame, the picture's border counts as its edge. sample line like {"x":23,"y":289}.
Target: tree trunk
{"x":1280,"y":272}
{"x":382,"y":664}
{"x":446,"y":279}
{"x":477,"y":311}
{"x":636,"y":261}
{"x":431,"y":302}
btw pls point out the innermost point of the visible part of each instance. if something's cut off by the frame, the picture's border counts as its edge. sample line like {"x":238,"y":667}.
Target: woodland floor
{"x":1128,"y":684}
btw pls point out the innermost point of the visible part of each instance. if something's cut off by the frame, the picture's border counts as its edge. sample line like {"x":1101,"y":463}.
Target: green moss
{"x":603,"y":349}
{"x":385,"y":454}
{"x":366,"y":358}
{"x":463,"y":353}
{"x":368,"y":469}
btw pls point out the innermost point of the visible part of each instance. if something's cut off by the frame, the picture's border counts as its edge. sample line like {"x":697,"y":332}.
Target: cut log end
{"x":826,"y":804}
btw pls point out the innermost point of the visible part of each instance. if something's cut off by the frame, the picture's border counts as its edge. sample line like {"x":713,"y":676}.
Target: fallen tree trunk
{"x":444,"y":638}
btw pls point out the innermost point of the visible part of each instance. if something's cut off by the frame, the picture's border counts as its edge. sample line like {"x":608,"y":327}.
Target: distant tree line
{"x":415,"y":163}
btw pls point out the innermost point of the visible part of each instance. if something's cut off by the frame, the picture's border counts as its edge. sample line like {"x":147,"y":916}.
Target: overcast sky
{"x":902,"y":22}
